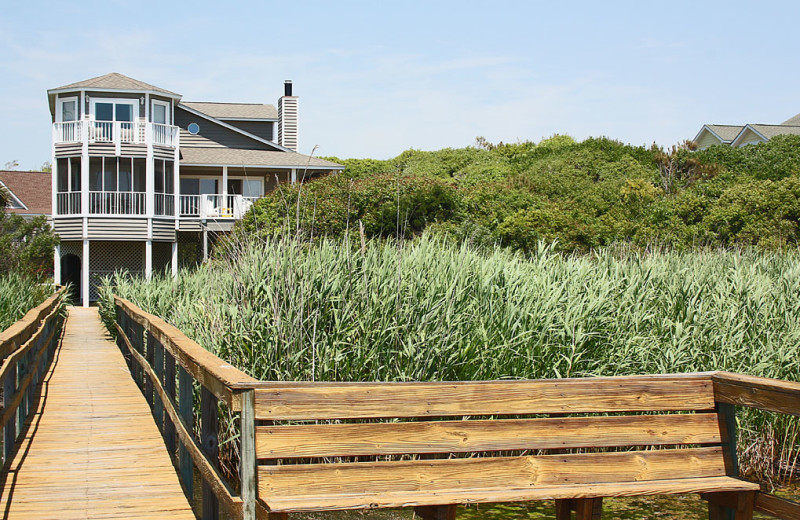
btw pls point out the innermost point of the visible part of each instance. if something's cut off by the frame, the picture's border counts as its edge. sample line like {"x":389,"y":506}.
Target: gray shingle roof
{"x":770,"y":131}
{"x":726,"y":132}
{"x":794,"y":121}
{"x":252,"y":158}
{"x":116,"y":81}
{"x":234,"y":110}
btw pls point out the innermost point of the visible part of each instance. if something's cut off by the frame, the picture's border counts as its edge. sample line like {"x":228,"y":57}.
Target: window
{"x":114,"y":109}
{"x":67,"y":110}
{"x":62,"y":174}
{"x":251,"y":188}
{"x":164,"y":180}
{"x":116,"y":174}
{"x":75,"y":174}
{"x":160,"y":112}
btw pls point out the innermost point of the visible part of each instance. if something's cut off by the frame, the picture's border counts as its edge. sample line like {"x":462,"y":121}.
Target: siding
{"x":706,"y":140}
{"x":750,"y":138}
{"x":105,"y":149}
{"x":287,"y":122}
{"x":69,"y":228}
{"x":117,"y":228}
{"x":164,"y":230}
{"x":190,"y":225}
{"x":133,"y":150}
{"x":219,"y":225}
{"x":160,"y":152}
{"x":262,"y":129}
{"x":66,"y":150}
{"x":212,"y":135}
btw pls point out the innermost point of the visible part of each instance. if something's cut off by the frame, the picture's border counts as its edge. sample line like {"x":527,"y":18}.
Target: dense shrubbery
{"x":581,"y":195}
{"x":19,"y":293}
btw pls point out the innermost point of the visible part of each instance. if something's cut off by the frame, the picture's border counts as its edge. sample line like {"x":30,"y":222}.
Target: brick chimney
{"x":287,"y":118}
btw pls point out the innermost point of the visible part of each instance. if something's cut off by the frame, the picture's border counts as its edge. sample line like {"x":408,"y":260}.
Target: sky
{"x":377,"y":78}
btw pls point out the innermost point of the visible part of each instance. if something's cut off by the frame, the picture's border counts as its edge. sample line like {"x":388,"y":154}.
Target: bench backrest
{"x":322,"y":433}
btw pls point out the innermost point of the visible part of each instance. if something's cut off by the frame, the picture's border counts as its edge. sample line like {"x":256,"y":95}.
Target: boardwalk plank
{"x":93,"y":449}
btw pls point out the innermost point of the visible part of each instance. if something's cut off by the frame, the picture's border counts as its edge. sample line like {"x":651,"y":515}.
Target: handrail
{"x":153,"y":367}
{"x":26,"y":347}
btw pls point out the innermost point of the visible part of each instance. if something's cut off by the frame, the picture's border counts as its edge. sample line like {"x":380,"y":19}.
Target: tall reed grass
{"x":18,"y":294}
{"x":424,"y":310}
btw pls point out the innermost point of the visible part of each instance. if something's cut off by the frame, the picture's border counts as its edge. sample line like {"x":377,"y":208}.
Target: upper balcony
{"x":116,"y":133}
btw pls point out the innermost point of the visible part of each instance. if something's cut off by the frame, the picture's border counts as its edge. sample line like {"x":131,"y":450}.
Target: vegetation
{"x":19,"y":294}
{"x":283,"y":309}
{"x":581,"y":195}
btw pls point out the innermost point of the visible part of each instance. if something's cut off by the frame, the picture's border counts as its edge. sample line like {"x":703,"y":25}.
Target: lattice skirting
{"x":106,"y":258}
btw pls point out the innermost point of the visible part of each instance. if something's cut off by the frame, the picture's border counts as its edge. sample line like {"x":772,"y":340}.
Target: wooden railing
{"x":159,"y":356}
{"x":26,"y":349}
{"x":157,"y":348}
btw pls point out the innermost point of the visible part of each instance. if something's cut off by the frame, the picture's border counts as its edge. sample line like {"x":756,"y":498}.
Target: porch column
{"x":294,"y":175}
{"x":148,"y":259}
{"x":85,"y":274}
{"x":57,"y":265}
{"x":175,"y":258}
{"x":205,"y":243}
{"x":224,"y":188}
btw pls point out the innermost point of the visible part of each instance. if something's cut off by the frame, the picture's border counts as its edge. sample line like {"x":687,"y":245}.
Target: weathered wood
{"x":563,"y":509}
{"x":588,"y":508}
{"x":777,"y":507}
{"x":487,"y":398}
{"x":466,"y":495}
{"x":447,"y":512}
{"x":148,"y":385}
{"x":169,"y":387}
{"x":335,"y":440}
{"x":771,"y":395}
{"x":158,"y":368}
{"x":20,"y":331}
{"x":247,"y":460}
{"x":209,"y":437}
{"x":91,"y":449}
{"x":218,"y":376}
{"x":10,"y":426}
{"x":375,"y":478}
{"x":186,"y":405}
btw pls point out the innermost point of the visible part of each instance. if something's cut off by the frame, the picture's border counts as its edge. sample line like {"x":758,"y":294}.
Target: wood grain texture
{"x":486,"y":398}
{"x":777,"y":507}
{"x":771,"y":395}
{"x":219,"y":376}
{"x":339,"y":440}
{"x":375,"y":478}
{"x":447,"y":512}
{"x":464,"y":495}
{"x":21,"y":330}
{"x":92,"y":449}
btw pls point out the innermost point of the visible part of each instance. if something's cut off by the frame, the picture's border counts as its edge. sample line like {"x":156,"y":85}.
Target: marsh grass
{"x":425,"y":310}
{"x":20,"y":293}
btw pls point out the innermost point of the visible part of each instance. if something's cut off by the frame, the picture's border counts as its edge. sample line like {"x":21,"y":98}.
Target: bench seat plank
{"x":373,"y":480}
{"x":340,"y":440}
{"x":322,"y":502}
{"x":297,"y":402}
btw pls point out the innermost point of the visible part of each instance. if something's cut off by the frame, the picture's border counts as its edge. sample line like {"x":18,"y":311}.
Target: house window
{"x":164,"y":180}
{"x":113,"y":109}
{"x":68,"y":174}
{"x":116,"y":174}
{"x":67,"y":110}
{"x":160,"y":112}
{"x":199,"y":186}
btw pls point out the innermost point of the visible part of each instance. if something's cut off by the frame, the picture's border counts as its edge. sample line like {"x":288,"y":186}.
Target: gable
{"x":748,"y":136}
{"x":705,"y":139}
{"x":213,"y":134}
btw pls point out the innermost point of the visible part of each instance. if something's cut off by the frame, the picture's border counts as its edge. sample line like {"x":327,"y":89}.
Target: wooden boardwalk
{"x":92,"y":449}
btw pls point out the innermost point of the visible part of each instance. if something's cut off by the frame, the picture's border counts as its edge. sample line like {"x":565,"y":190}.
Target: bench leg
{"x":436,"y":512}
{"x":563,"y":510}
{"x":585,"y":508}
{"x":731,"y":506}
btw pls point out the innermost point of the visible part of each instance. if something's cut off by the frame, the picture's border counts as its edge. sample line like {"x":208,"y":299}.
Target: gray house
{"x":142,"y":179}
{"x":741,"y":135}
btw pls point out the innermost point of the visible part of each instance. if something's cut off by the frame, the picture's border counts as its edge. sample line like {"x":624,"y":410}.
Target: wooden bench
{"x":432,"y":446}
{"x":329,"y":446}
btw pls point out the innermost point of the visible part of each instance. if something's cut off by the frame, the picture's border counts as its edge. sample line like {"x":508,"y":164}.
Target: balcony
{"x":115,"y":132}
{"x":215,"y":206}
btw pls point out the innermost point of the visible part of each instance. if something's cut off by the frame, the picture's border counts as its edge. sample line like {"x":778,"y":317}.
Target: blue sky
{"x":376,"y":78}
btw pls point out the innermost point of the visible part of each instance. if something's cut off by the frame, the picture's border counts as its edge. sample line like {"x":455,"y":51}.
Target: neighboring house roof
{"x":31,"y":189}
{"x":726,"y":133}
{"x":793,"y":121}
{"x":116,"y":81}
{"x":252,"y":159}
{"x":770,"y":131}
{"x":235,"y":111}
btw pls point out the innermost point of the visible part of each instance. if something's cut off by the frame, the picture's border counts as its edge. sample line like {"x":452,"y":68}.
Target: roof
{"x":794,"y":121}
{"x":236,"y":111}
{"x":33,"y":189}
{"x":726,"y":132}
{"x":770,"y":131}
{"x":252,"y":158}
{"x":116,"y":81}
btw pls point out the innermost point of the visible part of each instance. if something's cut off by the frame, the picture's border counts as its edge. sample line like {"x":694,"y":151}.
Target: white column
{"x":175,"y":258}
{"x":294,"y":175}
{"x":148,"y":259}
{"x":205,"y":243}
{"x":224,"y":183}
{"x":85,"y":274}
{"x":57,"y":265}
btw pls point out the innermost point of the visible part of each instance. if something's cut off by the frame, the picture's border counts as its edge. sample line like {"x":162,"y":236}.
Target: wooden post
{"x":727,"y":426}
{"x":158,"y":359}
{"x":169,"y":386}
{"x":209,"y":438}
{"x":10,"y":428}
{"x":247,"y":456}
{"x":588,"y":508}
{"x":447,"y":512}
{"x":186,"y":410}
{"x":563,"y":510}
{"x":22,"y":371}
{"x":148,"y":385}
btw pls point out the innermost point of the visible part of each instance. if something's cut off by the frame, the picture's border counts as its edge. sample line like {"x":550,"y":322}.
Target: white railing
{"x":221,"y":206}
{"x":116,"y":132}
{"x":69,"y":132}
{"x":190,"y":205}
{"x":164,"y":135}
{"x":165,"y":204}
{"x":116,"y":203}
{"x":68,"y":203}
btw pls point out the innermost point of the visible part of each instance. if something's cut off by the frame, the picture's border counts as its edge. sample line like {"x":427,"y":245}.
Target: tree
{"x":11,"y":165}
{"x":47,"y":166}
{"x":26,"y":245}
{"x":677,"y":169}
